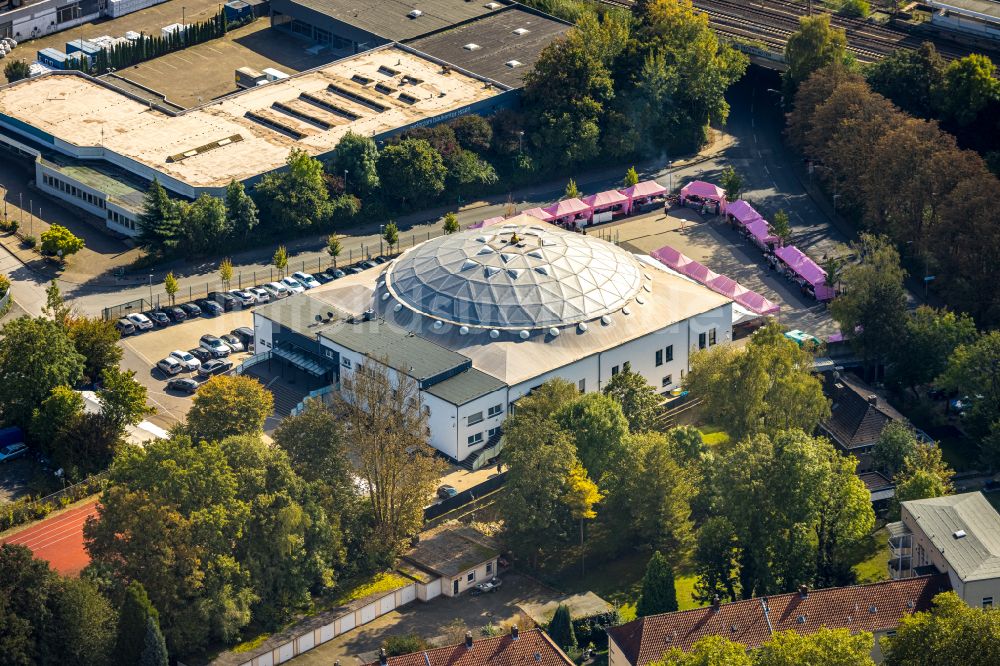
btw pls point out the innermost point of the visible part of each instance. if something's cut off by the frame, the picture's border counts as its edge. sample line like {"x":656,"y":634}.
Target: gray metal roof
{"x":299,"y":313}
{"x":481,"y":278}
{"x":399,"y":349}
{"x":974,"y":556}
{"x":466,"y":387}
{"x":390,"y":19}
{"x":485,"y":45}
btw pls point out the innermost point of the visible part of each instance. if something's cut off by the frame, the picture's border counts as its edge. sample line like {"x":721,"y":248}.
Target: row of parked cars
{"x":205,"y":360}
{"x":225,"y":301}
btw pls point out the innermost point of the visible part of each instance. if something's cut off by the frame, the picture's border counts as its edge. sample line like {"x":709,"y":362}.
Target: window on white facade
{"x":470,"y":577}
{"x":346,"y":362}
{"x":614,"y":370}
{"x":489,"y":568}
{"x":667,"y":381}
{"x":987,"y":602}
{"x":711,"y":337}
{"x":329,"y":353}
{"x":582,"y":385}
{"x":475,"y":439}
{"x":669,"y":353}
{"x":495,"y":410}
{"x":659,"y":357}
{"x":493,"y":432}
{"x":701,"y":341}
{"x":473,"y":419}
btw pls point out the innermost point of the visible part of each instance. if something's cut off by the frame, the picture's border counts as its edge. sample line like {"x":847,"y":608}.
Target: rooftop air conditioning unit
{"x":513,"y":63}
{"x":521,"y":31}
{"x":472,"y":46}
{"x":415,"y":13}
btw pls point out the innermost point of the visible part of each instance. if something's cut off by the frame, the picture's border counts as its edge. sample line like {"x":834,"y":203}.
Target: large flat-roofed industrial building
{"x":480,"y":318}
{"x":975,"y":17}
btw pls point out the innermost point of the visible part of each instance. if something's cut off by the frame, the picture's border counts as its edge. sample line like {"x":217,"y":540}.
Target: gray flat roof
{"x":298,"y":313}
{"x":390,"y":18}
{"x":122,"y":188}
{"x":976,"y":554}
{"x":983,"y":7}
{"x":466,"y":387}
{"x":396,"y":347}
{"x":497,"y":41}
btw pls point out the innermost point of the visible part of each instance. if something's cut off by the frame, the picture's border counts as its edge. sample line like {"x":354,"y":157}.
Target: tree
{"x":450,"y":223}
{"x":780,"y":227}
{"x":241,"y":211}
{"x":581,"y":496}
{"x":55,"y":308}
{"x":160,"y":228}
{"x":895,"y":444}
{"x":226,"y":272}
{"x":638,"y":400}
{"x":659,"y":491}
{"x":571,"y":190}
{"x":912,"y":79}
{"x":204,"y":224}
{"x":82,"y":630}
{"x":951,"y":632}
{"x":708,"y":651}
{"x":659,"y":594}
{"x":15,"y":70}
{"x":280,"y":260}
{"x":873,"y":305}
{"x":314,"y":442}
{"x":931,"y":338}
{"x":58,"y":411}
{"x":416,"y":171}
{"x":357,"y":157}
{"x":296,"y":198}
{"x":391,"y":235}
{"x":60,"y":241}
{"x":833,"y":647}
{"x":631,"y":177}
{"x":599,"y":429}
{"x":123,"y":399}
{"x":385,"y":429}
{"x":717,"y":558}
{"x":561,"y":628}
{"x":133,"y":624}
{"x":466,"y":168}
{"x":732,"y":183}
{"x":921,"y":484}
{"x":974,"y":369}
{"x":767,"y":387}
{"x":970,"y":85}
{"x":96,"y":339}
{"x":856,"y":8}
{"x":36,"y":355}
{"x":222,"y":396}
{"x":154,"y":650}
{"x":334,"y":247}
{"x":25,"y":585}
{"x":171,"y":286}
{"x":815,"y":45}
{"x":473,"y":132}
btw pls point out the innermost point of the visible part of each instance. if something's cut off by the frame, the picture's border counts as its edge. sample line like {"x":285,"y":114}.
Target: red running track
{"x":59,"y":539}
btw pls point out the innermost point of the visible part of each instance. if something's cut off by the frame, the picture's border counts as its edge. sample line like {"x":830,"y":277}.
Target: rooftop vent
{"x":386,"y":296}
{"x":397,"y":307}
{"x":959,"y":534}
{"x":582,"y":327}
{"x":416,"y":13}
{"x":872,"y":609}
{"x":513,"y":63}
{"x":438,"y":324}
{"x":801,"y":619}
{"x":521,"y":31}
{"x":606,"y":320}
{"x":492,"y":5}
{"x":494,"y":334}
{"x":409,"y":99}
{"x":626,"y":311}
{"x":472,"y":46}
{"x":554,"y":332}
{"x":387,"y":71}
{"x":524,"y":335}
{"x":384,"y":89}
{"x":464,"y":330}
{"x":363,"y":80}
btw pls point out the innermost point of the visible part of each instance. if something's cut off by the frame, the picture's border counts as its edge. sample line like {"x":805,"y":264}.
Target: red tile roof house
{"x":876,"y":608}
{"x":518,"y":648}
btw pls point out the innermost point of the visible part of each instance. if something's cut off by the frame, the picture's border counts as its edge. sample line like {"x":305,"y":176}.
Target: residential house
{"x":876,"y":608}
{"x":857,"y":416}
{"x":456,"y":559}
{"x":518,"y":648}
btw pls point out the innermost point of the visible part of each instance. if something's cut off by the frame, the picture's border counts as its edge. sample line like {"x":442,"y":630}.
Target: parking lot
{"x":143,"y":350}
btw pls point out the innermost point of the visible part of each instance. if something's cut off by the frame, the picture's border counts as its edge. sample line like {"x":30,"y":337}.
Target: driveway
{"x":442,"y":621}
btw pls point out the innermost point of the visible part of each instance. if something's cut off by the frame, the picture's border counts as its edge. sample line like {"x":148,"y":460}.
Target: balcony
{"x":900,"y":550}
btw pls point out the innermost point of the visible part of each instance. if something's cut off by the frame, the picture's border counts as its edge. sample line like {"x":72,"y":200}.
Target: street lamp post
{"x":150,"y":290}
{"x":520,"y":136}
{"x":380,"y":228}
{"x":345,"y":181}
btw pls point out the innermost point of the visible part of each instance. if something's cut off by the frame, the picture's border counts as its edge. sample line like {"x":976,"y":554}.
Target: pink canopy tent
{"x":807,"y":269}
{"x":758,"y":229}
{"x":721,"y":284}
{"x":568,"y":208}
{"x":742,"y":212}
{"x":487,"y":223}
{"x":605,"y":199}
{"x":700,"y":188}
{"x":539,"y":214}
{"x":643,"y":191}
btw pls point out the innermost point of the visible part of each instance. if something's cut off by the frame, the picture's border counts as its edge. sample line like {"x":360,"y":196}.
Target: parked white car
{"x":244,"y":298}
{"x":292,"y":284}
{"x":170,"y":366}
{"x":186,"y":359}
{"x":306,"y":279}
{"x":260,"y":295}
{"x":140,"y":321}
{"x":277,"y":290}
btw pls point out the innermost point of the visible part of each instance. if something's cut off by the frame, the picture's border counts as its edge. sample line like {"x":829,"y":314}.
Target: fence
{"x":26,"y":510}
{"x":465,"y":497}
{"x":320,"y":393}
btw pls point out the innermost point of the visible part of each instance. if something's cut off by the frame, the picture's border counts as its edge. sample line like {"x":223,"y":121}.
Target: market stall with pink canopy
{"x":569,"y":212}
{"x":758,"y":231}
{"x":806,"y":270}
{"x":700,"y":192}
{"x":487,"y":223}
{"x":643,"y":195}
{"x":605,"y":205}
{"x":741,"y":212}
{"x":539,"y":213}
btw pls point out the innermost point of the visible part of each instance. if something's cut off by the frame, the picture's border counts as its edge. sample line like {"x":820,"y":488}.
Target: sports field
{"x":58,"y":539}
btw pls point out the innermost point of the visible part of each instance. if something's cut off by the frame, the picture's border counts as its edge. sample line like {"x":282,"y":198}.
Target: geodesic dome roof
{"x":517,"y":275}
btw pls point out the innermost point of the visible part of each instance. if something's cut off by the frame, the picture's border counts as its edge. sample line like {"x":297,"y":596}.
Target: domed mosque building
{"x":481,"y":317}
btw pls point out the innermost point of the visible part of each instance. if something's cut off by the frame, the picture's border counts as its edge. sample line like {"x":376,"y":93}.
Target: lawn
{"x":875,"y":553}
{"x":713,"y":435}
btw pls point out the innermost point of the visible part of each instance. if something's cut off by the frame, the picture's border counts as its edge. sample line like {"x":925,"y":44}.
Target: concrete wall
{"x":480,"y":574}
{"x":481,"y":404}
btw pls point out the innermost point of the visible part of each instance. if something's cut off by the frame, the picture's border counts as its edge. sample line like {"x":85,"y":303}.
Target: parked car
{"x":492,"y":585}
{"x":336,"y":273}
{"x":368,"y":264}
{"x":245,"y":334}
{"x":244,"y":298}
{"x":214,"y":367}
{"x":183,"y":385}
{"x":176,"y":314}
{"x":125,"y":327}
{"x":260,"y":295}
{"x":234,"y":342}
{"x":354,"y":270}
{"x":201,"y":354}
{"x":446,"y":491}
{"x":191,"y":310}
{"x":217,"y":347}
{"x":159,"y":318}
{"x":140,"y":321}
{"x":277,"y":290}
{"x":225,"y":299}
{"x":305,"y":279}
{"x":323,"y":277}
{"x":292,"y":285}
{"x":170,"y":366}
{"x":187,"y":359}
{"x":381,"y":260}
{"x":210,"y":307}
{"x":12,"y":451}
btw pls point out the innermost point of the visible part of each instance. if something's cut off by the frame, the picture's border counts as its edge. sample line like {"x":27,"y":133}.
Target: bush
{"x":29,"y":241}
{"x":4,"y":284}
{"x":859,"y":8}
{"x":405,"y":644}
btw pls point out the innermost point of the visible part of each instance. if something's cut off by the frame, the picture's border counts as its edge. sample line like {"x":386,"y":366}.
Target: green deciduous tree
{"x":473,"y":132}
{"x":171,"y":286}
{"x":717,"y":558}
{"x":766,"y":388}
{"x":561,"y":628}
{"x":82,"y":630}
{"x":708,"y":651}
{"x":334,"y":247}
{"x":571,"y":190}
{"x":160,"y":228}
{"x":415,"y":169}
{"x":659,"y":594}
{"x":658,"y":493}
{"x":831,"y":647}
{"x":36,"y":355}
{"x":391,"y":235}
{"x":970,"y":85}
{"x":732,"y":183}
{"x":226,"y":272}
{"x":96,"y":339}
{"x":60,"y":241}
{"x":816,"y":44}
{"x":950,"y":633}
{"x":912,"y":79}
{"x":223,"y":396}
{"x":931,"y":338}
{"x":780,"y":227}
{"x":895,"y":444}
{"x":280,"y":260}
{"x":358,"y":156}
{"x":133,"y":623}
{"x":974,"y":370}
{"x":631,"y":177}
{"x":241,"y":211}
{"x":296,"y":198}
{"x":314,"y":442}
{"x":598,"y":428}
{"x":450,"y":223}
{"x":639,"y":402}
{"x":467,"y":169}
{"x":123,"y":399}
{"x":53,"y":415}
{"x":204,"y":224}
